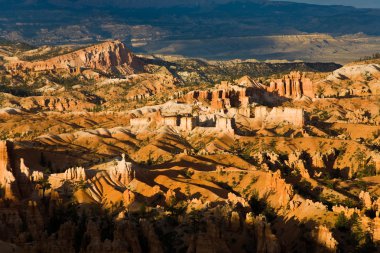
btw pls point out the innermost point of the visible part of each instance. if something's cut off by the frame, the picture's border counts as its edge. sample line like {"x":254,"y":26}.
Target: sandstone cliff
{"x":109,"y":57}
{"x":7,"y":178}
{"x":294,"y":85}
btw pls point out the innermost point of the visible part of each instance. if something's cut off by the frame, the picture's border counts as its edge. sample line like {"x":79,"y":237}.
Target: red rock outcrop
{"x":235,"y":200}
{"x":188,"y":123}
{"x":266,"y":240}
{"x":53,"y":103}
{"x":324,"y":237}
{"x":348,"y":212}
{"x":225,"y":95}
{"x":128,"y":197}
{"x":247,"y":81}
{"x":108,"y":57}
{"x":294,"y":85}
{"x":365,"y":198}
{"x":170,"y":197}
{"x":7,"y":178}
{"x":274,"y":183}
{"x":75,"y":174}
{"x":296,"y":162}
{"x":24,"y":169}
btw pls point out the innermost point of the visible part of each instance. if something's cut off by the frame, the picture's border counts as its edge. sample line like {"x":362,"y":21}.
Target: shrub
{"x":342,"y":223}
{"x":2,"y":191}
{"x":259,"y":206}
{"x":19,"y":91}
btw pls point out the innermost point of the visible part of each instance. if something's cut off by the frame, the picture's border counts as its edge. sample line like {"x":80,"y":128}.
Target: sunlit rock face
{"x":277,"y":115}
{"x":108,"y":57}
{"x":294,"y":85}
{"x":123,"y":172}
{"x":7,"y":178}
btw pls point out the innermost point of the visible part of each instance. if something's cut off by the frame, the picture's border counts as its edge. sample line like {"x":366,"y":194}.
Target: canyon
{"x":104,"y":150}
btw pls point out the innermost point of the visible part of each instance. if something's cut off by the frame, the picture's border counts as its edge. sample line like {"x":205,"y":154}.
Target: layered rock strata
{"x":109,"y":56}
{"x":294,"y":85}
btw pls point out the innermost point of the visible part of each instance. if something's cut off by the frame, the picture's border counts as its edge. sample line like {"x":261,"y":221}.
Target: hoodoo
{"x":7,"y":178}
{"x":294,"y":85}
{"x":102,"y":150}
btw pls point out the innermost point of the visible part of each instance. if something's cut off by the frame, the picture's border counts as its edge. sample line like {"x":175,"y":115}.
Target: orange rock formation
{"x":107,"y":57}
{"x":294,"y":85}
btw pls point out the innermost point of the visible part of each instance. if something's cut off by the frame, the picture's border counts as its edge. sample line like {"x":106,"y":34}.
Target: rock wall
{"x":294,"y":85}
{"x":279,"y":115}
{"x":4,"y":160}
{"x":53,"y":103}
{"x":170,"y":121}
{"x":140,"y":122}
{"x":7,"y":178}
{"x":104,"y":57}
{"x":76,"y":174}
{"x":224,"y":124}
{"x":188,"y":123}
{"x":224,"y":96}
{"x":276,"y":186}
